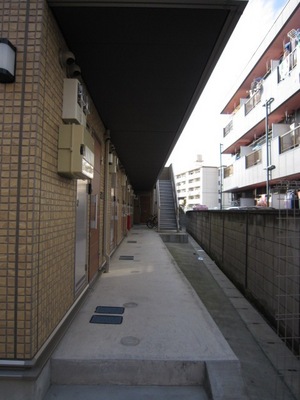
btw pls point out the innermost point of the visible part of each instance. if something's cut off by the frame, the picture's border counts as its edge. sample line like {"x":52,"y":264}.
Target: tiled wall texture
{"x":38,"y":207}
{"x":260,"y":252}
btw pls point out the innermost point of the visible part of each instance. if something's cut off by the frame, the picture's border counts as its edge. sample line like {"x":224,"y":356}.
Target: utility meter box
{"x":75,"y":152}
{"x":75,"y":102}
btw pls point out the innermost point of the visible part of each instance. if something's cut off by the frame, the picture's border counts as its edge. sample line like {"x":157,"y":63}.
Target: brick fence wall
{"x":259,"y":252}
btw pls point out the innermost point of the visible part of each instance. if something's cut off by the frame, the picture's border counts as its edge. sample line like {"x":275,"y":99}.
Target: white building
{"x":266,"y":99}
{"x":198,"y":185}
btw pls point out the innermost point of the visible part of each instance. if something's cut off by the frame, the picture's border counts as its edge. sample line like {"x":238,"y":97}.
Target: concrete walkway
{"x":167,"y":345}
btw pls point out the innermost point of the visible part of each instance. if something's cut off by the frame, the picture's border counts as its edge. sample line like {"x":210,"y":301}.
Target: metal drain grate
{"x":106,"y":319}
{"x":126,"y":257}
{"x":109,"y":310}
{"x":131,"y":241}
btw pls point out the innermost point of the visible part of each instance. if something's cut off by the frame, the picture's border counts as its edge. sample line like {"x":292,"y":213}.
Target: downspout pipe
{"x":106,"y":199}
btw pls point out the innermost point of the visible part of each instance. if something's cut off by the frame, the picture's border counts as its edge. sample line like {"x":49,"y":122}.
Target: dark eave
{"x":145,"y":64}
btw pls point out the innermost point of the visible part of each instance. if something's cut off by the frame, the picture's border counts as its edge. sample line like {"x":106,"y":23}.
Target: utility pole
{"x":269,"y":167}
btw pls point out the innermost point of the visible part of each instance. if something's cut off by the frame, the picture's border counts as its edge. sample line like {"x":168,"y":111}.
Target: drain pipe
{"x":106,"y":200}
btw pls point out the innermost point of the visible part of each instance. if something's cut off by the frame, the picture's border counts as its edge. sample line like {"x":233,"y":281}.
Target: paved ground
{"x":169,"y":329}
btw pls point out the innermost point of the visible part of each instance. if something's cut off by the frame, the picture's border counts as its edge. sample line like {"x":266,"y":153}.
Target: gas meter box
{"x":75,"y":102}
{"x":75,"y":152}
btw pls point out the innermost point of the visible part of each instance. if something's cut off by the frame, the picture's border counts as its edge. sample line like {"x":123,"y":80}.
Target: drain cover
{"x":106,"y":319}
{"x":109,"y":310}
{"x":131,"y":241}
{"x":126,"y":257}
{"x":130,"y":305}
{"x":130,"y":341}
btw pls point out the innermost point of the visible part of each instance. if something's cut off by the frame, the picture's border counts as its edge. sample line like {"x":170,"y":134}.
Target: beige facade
{"x":38,"y":206}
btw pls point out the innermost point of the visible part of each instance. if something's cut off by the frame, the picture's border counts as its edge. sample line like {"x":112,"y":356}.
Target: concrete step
{"x":127,"y":372}
{"x":95,"y":392}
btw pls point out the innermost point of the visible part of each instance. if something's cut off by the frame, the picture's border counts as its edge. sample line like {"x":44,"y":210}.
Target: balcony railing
{"x":228,"y":171}
{"x":228,"y":128}
{"x":289,"y":140}
{"x":253,"y":158}
{"x":252,"y":102}
{"x":287,"y":64}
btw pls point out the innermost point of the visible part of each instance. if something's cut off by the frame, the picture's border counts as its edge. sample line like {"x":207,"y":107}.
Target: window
{"x":253,"y":158}
{"x":289,"y":140}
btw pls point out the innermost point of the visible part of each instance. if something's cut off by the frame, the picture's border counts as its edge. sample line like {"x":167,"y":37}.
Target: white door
{"x":81,"y":234}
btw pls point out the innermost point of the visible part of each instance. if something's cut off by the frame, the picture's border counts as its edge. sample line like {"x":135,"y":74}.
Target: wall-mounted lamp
{"x":7,"y":61}
{"x":270,"y":167}
{"x":73,"y":71}
{"x":66,"y":57}
{"x":67,"y":61}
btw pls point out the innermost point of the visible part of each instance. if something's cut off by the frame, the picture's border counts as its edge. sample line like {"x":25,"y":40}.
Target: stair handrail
{"x":158,"y":204}
{"x":175,"y":197}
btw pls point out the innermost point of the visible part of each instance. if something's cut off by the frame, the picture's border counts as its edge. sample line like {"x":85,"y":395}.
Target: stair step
{"x":95,"y":392}
{"x":127,"y":372}
{"x":167,"y":209}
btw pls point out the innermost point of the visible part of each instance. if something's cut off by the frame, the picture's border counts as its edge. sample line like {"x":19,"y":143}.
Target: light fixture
{"x":73,"y":71}
{"x":7,"y":61}
{"x":66,"y":58}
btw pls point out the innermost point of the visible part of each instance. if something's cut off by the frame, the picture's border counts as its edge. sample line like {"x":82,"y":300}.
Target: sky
{"x":203,"y":131}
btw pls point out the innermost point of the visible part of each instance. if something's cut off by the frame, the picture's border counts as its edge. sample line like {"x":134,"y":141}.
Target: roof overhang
{"x":145,"y":64}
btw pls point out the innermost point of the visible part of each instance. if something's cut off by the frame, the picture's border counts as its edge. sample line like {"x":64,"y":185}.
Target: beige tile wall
{"x":37,"y":208}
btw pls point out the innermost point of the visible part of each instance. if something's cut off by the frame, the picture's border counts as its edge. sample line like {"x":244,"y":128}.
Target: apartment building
{"x":198,"y":185}
{"x":90,"y":111}
{"x":262,"y":133}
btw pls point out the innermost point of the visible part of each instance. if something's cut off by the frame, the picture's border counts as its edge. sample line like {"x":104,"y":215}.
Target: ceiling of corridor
{"x":145,"y":64}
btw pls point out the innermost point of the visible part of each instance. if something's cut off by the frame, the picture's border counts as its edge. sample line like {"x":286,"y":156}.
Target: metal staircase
{"x":167,"y":202}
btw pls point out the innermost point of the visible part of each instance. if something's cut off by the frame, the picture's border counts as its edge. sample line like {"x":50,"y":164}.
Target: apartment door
{"x":81,"y":235}
{"x":145,"y":207}
{"x":94,"y":261}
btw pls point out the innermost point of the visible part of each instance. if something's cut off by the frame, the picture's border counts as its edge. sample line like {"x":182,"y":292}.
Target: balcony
{"x":228,"y":128}
{"x":283,"y":84}
{"x":256,"y":94}
{"x":249,"y":169}
{"x":289,"y":140}
{"x":253,"y":158}
{"x":287,"y":65}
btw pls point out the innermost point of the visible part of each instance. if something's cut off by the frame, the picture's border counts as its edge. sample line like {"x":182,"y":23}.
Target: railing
{"x":228,"y":128}
{"x":228,"y":171}
{"x":252,"y":102}
{"x":158,"y":205}
{"x":287,"y":64}
{"x":176,"y":203}
{"x":253,"y":158}
{"x":289,"y":140}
